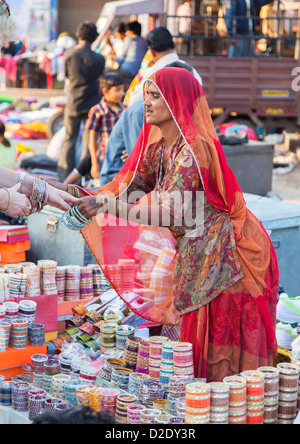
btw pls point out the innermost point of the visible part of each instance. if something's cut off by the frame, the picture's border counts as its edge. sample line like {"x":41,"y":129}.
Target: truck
{"x":261,"y":91}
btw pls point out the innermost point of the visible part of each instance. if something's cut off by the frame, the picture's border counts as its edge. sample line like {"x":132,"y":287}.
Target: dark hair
{"x":121,"y":28}
{"x":181,"y":64}
{"x":77,"y":415}
{"x":2,"y":132}
{"x":87,"y":31}
{"x":160,"y":39}
{"x":135,"y":27}
{"x":110,"y":79}
{"x":2,"y":128}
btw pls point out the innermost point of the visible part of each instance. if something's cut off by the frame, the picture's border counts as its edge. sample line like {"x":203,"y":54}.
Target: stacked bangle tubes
{"x":123,"y":331}
{"x":83,"y":394}
{"x":70,"y":390}
{"x":255,"y":396}
{"x":219,"y":403}
{"x":134,"y":412}
{"x":88,"y":374}
{"x":27,"y":373}
{"x":197,"y":403}
{"x":123,"y":401}
{"x":142,"y":364}
{"x":271,"y":394}
{"x":131,"y":351}
{"x":95,"y":398}
{"x":62,"y":407}
{"x":86,"y":283}
{"x":4,"y":335}
{"x":65,"y":361}
{"x":36,"y":405}
{"x":150,"y":391}
{"x":27,"y":310}
{"x":147,"y":416}
{"x":237,"y":399}
{"x":57,"y":385}
{"x":20,"y":396}
{"x":50,"y":403}
{"x":52,"y":367}
{"x":120,"y":377}
{"x":288,"y":391}
{"x":19,"y":334}
{"x":183,"y":359}
{"x":108,"y":401}
{"x":135,"y":381}
{"x":36,"y":335}
{"x":6,"y":393}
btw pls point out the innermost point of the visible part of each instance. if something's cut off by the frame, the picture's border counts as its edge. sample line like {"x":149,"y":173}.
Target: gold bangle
{"x":9,"y":201}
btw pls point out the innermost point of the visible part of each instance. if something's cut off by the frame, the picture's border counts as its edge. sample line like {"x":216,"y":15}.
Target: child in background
{"x":102,"y":118}
{"x":8,"y":151}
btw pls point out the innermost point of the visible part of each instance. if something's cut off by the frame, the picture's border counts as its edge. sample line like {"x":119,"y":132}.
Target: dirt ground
{"x":287,"y":186}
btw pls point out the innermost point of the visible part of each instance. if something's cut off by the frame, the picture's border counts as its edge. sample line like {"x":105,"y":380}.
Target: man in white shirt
{"x":184,"y":23}
{"x":162,"y":47}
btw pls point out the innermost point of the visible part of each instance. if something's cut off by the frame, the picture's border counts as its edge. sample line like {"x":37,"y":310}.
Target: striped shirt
{"x":102,"y":118}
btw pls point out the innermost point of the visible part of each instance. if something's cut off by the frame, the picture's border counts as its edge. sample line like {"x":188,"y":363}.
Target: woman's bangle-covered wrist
{"x":39,"y":195}
{"x":9,"y":201}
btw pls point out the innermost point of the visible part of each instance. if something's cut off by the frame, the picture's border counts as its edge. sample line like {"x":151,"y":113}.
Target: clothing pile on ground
{"x":288,"y":321}
{"x":25,"y":119}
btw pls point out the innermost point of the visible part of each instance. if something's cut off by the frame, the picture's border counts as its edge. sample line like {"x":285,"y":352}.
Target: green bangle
{"x":9,"y":201}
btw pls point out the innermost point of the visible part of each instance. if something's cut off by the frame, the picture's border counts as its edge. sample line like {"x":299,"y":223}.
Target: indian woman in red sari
{"x":223,"y":275}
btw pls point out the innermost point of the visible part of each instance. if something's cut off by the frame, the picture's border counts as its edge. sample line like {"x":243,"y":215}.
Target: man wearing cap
{"x":162,"y":47}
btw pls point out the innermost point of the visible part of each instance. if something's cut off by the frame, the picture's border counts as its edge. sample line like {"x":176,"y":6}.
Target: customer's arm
{"x":93,"y":148}
{"x":19,"y":203}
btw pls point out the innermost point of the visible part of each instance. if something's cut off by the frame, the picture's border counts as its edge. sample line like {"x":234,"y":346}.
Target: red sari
{"x":221,"y":288}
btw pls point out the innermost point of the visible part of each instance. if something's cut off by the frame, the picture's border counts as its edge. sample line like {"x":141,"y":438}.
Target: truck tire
{"x":55,"y":123}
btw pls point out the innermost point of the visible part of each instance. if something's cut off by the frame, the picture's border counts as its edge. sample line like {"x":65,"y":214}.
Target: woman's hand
{"x":95,"y":170}
{"x":60,"y":199}
{"x":124,"y":156}
{"x":58,"y":185}
{"x":90,"y":206}
{"x":20,"y":204}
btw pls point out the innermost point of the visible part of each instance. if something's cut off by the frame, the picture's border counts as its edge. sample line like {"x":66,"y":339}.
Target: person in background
{"x":135,"y":47}
{"x":112,"y":46}
{"x":8,"y":151}
{"x":83,"y":67}
{"x":9,"y":31}
{"x":121,"y":141}
{"x":162,"y":47}
{"x":239,"y":24}
{"x":184,"y":23}
{"x":101,"y":121}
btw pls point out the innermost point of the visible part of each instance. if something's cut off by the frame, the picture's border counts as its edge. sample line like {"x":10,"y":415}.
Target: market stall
{"x":117,"y":363}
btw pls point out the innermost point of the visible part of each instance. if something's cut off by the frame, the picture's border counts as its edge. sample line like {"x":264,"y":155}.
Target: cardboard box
{"x":12,"y":360}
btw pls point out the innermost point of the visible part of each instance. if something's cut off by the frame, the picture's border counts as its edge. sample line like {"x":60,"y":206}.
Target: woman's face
{"x":156,"y":111}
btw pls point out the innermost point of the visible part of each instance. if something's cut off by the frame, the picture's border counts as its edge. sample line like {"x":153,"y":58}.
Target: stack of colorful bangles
{"x":74,"y":220}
